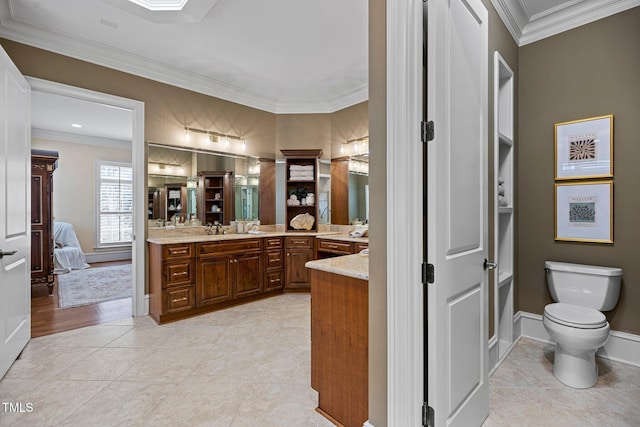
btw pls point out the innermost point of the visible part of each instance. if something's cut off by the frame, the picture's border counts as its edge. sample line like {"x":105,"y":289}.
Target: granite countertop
{"x":196,"y":238}
{"x":356,"y":266}
{"x":344,"y":237}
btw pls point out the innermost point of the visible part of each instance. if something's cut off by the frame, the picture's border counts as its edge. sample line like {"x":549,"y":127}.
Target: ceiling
{"x":282,"y":56}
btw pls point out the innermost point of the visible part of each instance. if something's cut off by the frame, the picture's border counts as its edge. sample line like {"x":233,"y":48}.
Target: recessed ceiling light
{"x":160,"y":5}
{"x":76,"y":125}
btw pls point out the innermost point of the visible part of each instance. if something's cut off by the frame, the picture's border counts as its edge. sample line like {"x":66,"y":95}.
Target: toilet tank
{"x":584,"y":285}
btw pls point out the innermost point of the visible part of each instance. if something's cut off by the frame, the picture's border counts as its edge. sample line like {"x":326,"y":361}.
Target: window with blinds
{"x":115,"y":210}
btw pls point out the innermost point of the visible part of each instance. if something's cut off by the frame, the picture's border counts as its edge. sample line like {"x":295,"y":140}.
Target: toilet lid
{"x":575,"y":316}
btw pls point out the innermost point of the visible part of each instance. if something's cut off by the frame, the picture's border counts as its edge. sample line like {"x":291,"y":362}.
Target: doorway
{"x":138,"y":304}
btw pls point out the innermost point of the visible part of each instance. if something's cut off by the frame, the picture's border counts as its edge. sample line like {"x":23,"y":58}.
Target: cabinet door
{"x":213,"y":280}
{"x":248,"y":277}
{"x":297,"y":276}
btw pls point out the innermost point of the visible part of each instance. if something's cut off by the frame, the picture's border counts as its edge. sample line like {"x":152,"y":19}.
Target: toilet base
{"x":575,"y":368}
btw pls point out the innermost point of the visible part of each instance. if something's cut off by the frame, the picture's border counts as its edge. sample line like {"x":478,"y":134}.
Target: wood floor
{"x":47,"y":318}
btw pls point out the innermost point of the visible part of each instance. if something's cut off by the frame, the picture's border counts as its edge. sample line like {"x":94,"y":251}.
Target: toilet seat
{"x":575,"y":316}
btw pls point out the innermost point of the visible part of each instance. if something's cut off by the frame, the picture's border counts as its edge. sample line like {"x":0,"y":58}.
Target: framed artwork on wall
{"x":584,"y":148}
{"x":584,"y":211}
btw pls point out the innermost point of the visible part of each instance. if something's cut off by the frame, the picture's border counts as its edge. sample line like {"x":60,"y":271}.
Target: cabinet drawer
{"x":272,"y":243}
{"x":178,"y":299}
{"x":274,"y":259}
{"x":334,"y":246}
{"x":228,"y":247}
{"x":273,"y":280}
{"x":360,"y":246}
{"x":178,"y":273}
{"x":305,"y":242}
{"x":177,"y":251}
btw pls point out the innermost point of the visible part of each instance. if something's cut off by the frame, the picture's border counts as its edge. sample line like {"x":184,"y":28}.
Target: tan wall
{"x":589,"y":71}
{"x":347,"y":124}
{"x":378,"y":214}
{"x":74,"y":184}
{"x":303,"y":131}
{"x":168,"y":109}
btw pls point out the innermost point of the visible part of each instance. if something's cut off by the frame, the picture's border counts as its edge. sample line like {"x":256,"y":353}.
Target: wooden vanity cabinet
{"x":326,"y":248}
{"x":228,"y":270}
{"x":299,"y":250}
{"x":274,"y":263}
{"x":172,"y":277}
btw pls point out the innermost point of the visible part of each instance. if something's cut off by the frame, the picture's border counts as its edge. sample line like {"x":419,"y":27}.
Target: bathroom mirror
{"x":172,"y":179}
{"x":359,"y":189}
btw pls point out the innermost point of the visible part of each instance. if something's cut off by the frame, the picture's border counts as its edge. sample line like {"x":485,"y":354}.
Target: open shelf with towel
{"x":504,"y":217}
{"x":301,"y":186}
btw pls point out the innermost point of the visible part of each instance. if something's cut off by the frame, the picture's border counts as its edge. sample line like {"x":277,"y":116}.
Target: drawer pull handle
{"x":180,"y":299}
{"x":274,"y":280}
{"x":332,"y":246}
{"x":182,"y":273}
{"x":275,"y":260}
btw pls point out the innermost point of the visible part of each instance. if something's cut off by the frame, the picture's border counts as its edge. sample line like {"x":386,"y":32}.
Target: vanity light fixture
{"x":213,"y":137}
{"x":355,"y":146}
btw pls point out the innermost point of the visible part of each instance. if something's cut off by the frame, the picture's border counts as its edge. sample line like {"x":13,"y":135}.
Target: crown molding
{"x":53,"y":135}
{"x":527,"y":29}
{"x":117,"y":59}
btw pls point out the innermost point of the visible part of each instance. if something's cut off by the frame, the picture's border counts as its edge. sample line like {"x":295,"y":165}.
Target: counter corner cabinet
{"x":43,"y":164}
{"x":339,"y":347}
{"x":187,"y":279}
{"x":216,"y":197}
{"x":301,"y":179}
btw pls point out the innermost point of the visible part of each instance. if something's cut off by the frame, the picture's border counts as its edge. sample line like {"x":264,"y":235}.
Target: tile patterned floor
{"x":524,"y":392}
{"x":250,"y":366}
{"x":245,"y":366}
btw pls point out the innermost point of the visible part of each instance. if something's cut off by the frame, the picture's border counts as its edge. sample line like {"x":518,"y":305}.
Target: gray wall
{"x":590,"y":71}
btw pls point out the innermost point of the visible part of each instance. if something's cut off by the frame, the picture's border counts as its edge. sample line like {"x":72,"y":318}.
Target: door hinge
{"x":428,"y":273}
{"x":427,"y":415}
{"x":427,"y":131}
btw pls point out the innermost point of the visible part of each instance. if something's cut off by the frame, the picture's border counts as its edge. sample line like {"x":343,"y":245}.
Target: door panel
{"x":15,"y":210}
{"x":457,"y":226}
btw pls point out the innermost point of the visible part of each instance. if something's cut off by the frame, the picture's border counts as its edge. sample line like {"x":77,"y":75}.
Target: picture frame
{"x":584,"y":211}
{"x":584,"y":148}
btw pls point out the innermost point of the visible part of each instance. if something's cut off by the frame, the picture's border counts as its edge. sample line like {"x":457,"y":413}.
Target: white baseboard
{"x":108,"y":256}
{"x":621,"y":347}
{"x":367,"y":424}
{"x":146,"y":306}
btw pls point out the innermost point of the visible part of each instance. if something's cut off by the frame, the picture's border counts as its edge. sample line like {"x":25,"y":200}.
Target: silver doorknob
{"x":9,"y":253}
{"x":490,"y":265}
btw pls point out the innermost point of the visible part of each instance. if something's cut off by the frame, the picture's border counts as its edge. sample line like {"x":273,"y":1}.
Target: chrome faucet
{"x":218,"y":227}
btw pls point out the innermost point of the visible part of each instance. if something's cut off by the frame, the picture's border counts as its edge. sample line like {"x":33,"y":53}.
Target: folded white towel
{"x":502,"y":201}
{"x":500,"y":180}
{"x":301,"y":167}
{"x":301,"y":173}
{"x":501,"y":190}
{"x":301,"y":178}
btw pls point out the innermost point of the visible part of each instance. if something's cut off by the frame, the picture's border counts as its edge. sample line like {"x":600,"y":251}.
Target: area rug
{"x":93,"y":285}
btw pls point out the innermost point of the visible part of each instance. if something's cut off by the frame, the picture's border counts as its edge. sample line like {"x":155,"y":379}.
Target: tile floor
{"x":524,"y":392}
{"x":250,"y":366}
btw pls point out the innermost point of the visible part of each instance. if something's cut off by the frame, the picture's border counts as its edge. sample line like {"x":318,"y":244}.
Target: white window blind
{"x":115,"y":218}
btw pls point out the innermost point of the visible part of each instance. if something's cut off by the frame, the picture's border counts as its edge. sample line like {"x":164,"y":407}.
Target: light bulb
{"x":244,"y":145}
{"x":342,"y":148}
{"x":187,"y":135}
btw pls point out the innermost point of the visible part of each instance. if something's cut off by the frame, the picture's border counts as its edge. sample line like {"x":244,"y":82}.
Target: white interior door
{"x":457,"y":223}
{"x":15,"y":212}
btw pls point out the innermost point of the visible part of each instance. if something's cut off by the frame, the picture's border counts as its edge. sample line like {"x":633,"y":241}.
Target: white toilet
{"x":575,"y":322}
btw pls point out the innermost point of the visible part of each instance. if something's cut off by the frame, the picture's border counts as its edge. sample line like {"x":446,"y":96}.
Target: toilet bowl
{"x":575,"y":321}
{"x":578,"y":333}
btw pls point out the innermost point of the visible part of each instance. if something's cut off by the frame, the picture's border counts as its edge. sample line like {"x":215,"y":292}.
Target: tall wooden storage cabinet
{"x":43,"y":163}
{"x":301,"y":174}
